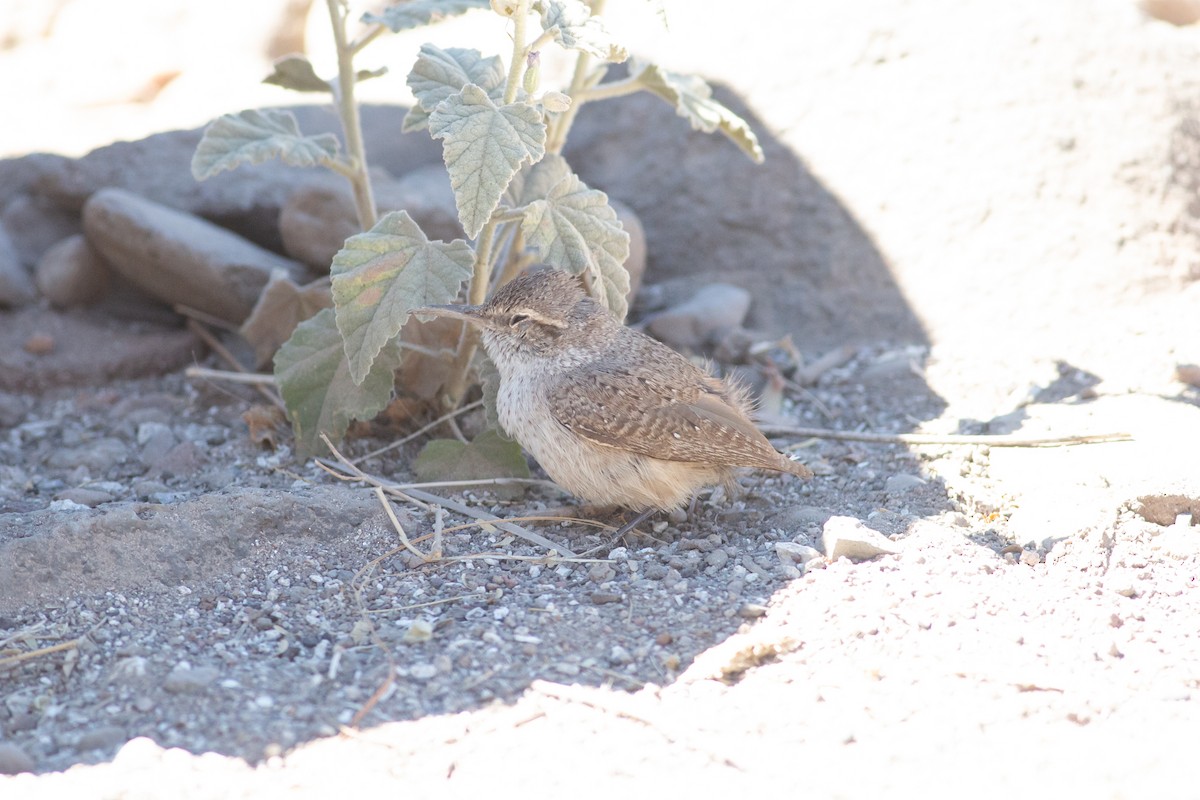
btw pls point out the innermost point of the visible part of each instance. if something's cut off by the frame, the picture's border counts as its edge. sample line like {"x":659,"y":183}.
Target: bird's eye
{"x":517,"y":319}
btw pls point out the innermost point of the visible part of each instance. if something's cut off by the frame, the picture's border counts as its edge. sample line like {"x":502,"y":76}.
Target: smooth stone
{"x":185,"y":679}
{"x":716,"y":307}
{"x":246,"y":200}
{"x":85,"y":497}
{"x":635,"y":264}
{"x":902,"y":483}
{"x":178,"y":257}
{"x":35,"y":224}
{"x":14,"y":760}
{"x":16,"y":284}
{"x":317,"y":220}
{"x":97,"y":456}
{"x":101,"y":738}
{"x":850,"y":538}
{"x":90,"y":349}
{"x":72,"y":273}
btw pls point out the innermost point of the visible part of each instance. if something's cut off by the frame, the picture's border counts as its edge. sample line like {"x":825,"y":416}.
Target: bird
{"x":612,"y":415}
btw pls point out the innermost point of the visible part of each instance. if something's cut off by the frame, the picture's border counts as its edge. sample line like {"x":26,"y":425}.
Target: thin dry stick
{"x":41,"y":651}
{"x":227,"y":356}
{"x":399,"y":528}
{"x":998,"y":440}
{"x":205,"y":317}
{"x":834,"y":358}
{"x":413,"y":495}
{"x":515,"y":530}
{"x":419,"y":431}
{"x":232,"y":377}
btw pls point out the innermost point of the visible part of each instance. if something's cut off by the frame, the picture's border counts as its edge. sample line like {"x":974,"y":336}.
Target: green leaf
{"x":487,"y":456}
{"x":416,"y":13}
{"x":692,"y":98}
{"x":252,"y":137}
{"x":574,"y":228}
{"x":313,"y":376}
{"x":297,"y":73}
{"x":378,"y":277}
{"x":575,"y":28}
{"x":485,"y":145}
{"x":440,"y":73}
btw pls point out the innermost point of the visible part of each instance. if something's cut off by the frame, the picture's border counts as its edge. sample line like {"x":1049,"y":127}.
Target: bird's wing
{"x":636,"y":409}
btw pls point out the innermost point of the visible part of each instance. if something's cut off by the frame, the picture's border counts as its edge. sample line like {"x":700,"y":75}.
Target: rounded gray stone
{"x":180,"y":258}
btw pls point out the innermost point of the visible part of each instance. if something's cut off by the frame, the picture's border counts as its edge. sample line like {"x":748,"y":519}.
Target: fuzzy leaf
{"x":485,"y":145}
{"x":297,"y":73}
{"x":313,"y":376}
{"x":379,"y":276}
{"x":692,"y":98}
{"x":281,"y":306}
{"x":575,"y":28}
{"x":415,"y":13}
{"x":574,"y":228}
{"x":252,"y":137}
{"x":439,"y":73}
{"x":487,"y":456}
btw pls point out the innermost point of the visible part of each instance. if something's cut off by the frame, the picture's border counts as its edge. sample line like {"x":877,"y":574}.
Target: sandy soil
{"x":1025,"y":174}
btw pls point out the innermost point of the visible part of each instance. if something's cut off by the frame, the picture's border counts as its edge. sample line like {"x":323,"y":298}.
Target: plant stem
{"x":347,"y":108}
{"x":579,"y":84}
{"x":607,"y":91}
{"x":456,"y":387}
{"x":517,"y":68}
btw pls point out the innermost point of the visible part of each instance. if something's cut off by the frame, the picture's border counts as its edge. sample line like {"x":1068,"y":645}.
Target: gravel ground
{"x":233,"y":622}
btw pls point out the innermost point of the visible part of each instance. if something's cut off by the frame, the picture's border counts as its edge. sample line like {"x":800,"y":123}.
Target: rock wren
{"x":613,"y":416}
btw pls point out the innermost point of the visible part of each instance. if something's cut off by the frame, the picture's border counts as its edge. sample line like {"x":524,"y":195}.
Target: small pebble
{"x":601,"y":598}
{"x":752,"y":611}
{"x":184,"y":679}
{"x":101,"y":738}
{"x":14,"y":760}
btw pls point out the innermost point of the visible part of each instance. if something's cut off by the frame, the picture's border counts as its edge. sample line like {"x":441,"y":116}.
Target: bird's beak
{"x":470,"y":314}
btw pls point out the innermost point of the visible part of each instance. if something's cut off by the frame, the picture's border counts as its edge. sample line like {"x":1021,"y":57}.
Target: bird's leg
{"x":633,"y":523}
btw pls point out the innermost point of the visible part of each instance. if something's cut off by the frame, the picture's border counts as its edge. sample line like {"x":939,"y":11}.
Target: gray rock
{"x":14,"y":760}
{"x":85,"y":497}
{"x":316,"y":220}
{"x":425,"y":193}
{"x":88,"y":350}
{"x":716,"y":558}
{"x":97,"y":457}
{"x":186,"y":679}
{"x":35,"y":224}
{"x":635,"y":264}
{"x":245,"y":200}
{"x":156,"y":440}
{"x":716,"y":307}
{"x":178,"y":257}
{"x":799,"y":517}
{"x":16,"y":285}
{"x":850,"y":538}
{"x":72,"y":273}
{"x":314,"y":223}
{"x":793,"y":553}
{"x":101,"y":738}
{"x":897,"y":484}
{"x":12,"y":410}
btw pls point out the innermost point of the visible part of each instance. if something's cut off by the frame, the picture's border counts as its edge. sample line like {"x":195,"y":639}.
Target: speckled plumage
{"x":612,"y":415}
